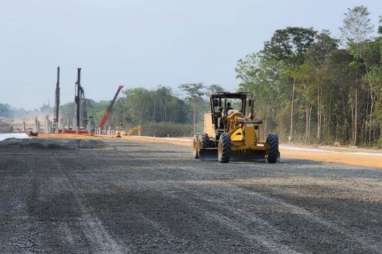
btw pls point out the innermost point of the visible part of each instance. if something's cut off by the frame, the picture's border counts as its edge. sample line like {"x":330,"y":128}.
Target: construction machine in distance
{"x":109,"y":109}
{"x":231,"y":131}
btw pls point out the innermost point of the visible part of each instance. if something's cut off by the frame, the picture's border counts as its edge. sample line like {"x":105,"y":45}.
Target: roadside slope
{"x":356,"y":157}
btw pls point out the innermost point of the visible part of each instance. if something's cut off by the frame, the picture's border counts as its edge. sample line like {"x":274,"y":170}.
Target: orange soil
{"x":324,"y":155}
{"x":335,"y":157}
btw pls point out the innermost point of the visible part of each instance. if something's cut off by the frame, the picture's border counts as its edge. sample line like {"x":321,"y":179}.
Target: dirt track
{"x":138,"y":197}
{"x":340,"y":155}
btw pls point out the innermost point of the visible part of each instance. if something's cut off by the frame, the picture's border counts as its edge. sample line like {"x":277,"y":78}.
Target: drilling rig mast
{"x":78,"y":98}
{"x":57,"y":103}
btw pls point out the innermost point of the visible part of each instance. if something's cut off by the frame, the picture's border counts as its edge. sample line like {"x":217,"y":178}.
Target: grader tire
{"x":224,"y":148}
{"x":273,"y":146}
{"x":206,"y":141}
{"x":196,"y":148}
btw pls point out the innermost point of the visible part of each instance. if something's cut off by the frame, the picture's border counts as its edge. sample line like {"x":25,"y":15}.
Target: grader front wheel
{"x":273,"y":148}
{"x":224,"y":148}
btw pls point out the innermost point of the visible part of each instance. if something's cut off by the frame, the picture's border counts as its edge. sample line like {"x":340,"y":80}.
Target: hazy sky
{"x":141,"y":42}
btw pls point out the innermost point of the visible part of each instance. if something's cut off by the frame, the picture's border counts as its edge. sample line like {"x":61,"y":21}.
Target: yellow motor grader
{"x":231,"y":131}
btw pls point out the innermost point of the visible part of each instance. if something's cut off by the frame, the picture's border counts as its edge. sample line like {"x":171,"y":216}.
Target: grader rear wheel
{"x":224,"y":148}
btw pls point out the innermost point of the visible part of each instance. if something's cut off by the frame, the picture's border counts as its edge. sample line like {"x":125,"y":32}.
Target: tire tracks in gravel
{"x":238,"y":194}
{"x":100,"y":239}
{"x":27,"y":241}
{"x":269,"y":238}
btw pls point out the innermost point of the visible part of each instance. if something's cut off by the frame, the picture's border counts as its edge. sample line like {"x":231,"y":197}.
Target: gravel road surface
{"x":140,"y":197}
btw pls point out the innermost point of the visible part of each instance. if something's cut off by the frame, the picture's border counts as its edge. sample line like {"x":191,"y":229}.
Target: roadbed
{"x":135,"y":196}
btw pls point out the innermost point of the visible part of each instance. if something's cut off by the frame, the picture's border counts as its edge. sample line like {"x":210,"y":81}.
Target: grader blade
{"x":259,"y":156}
{"x":208,"y":154}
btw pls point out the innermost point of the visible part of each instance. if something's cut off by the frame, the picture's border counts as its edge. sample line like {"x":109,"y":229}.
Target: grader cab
{"x":231,"y":131}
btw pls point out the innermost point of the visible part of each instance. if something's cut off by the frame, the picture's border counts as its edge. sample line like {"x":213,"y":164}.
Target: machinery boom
{"x":109,"y":109}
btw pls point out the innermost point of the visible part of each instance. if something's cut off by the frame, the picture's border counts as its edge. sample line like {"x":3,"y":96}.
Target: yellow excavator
{"x":232,"y":132}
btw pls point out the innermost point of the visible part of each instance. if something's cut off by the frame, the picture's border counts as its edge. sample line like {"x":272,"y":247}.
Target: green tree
{"x":356,"y":30}
{"x":214,"y":88}
{"x":194,"y":93}
{"x":317,"y":57}
{"x":5,"y":110}
{"x":357,"y":26}
{"x":289,"y":46}
{"x":267,"y":80}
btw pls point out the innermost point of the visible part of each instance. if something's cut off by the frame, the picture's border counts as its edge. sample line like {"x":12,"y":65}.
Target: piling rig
{"x":80,"y":101}
{"x":56,"y":119}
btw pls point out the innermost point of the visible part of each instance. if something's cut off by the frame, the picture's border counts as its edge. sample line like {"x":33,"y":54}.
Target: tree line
{"x":7,"y":111}
{"x":314,"y":88}
{"x":144,"y":107}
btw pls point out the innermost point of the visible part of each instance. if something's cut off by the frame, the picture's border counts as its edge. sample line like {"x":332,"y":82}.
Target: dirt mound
{"x":52,"y":144}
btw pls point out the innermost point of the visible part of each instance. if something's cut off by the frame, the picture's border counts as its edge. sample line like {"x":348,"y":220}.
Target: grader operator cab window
{"x":222,"y":103}
{"x":234,"y":105}
{"x":216,"y":102}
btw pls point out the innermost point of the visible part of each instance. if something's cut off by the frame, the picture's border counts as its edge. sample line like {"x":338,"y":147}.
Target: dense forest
{"x":312,"y":87}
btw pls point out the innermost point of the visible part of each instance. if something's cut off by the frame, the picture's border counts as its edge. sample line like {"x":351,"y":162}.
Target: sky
{"x":142,"y":43}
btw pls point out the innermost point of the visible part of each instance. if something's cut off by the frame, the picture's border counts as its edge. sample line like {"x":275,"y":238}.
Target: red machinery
{"x":106,"y":116}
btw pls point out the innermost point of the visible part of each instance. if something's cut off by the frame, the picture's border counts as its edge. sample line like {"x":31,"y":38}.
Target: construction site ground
{"x":147,"y":195}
